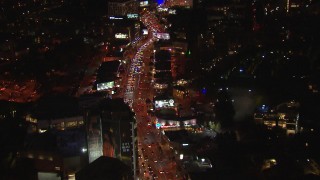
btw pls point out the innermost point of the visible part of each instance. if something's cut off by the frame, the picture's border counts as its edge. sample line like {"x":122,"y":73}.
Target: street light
{"x":84,"y":150}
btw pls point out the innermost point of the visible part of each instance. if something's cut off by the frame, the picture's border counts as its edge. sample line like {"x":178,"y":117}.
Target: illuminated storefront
{"x":105,"y":85}
{"x":175,"y":123}
{"x":165,"y":103}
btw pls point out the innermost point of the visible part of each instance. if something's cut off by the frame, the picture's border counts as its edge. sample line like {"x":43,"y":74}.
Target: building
{"x":122,"y":7}
{"x":55,"y":145}
{"x":108,"y":77}
{"x":37,"y":169}
{"x":105,"y":168}
{"x":162,"y":75}
{"x":285,"y":116}
{"x":179,"y":3}
{"x":163,"y":102}
{"x":184,"y":144}
{"x":176,"y":123}
{"x":111,"y":132}
{"x":180,"y":92}
{"x":53,"y":154}
{"x":57,"y":112}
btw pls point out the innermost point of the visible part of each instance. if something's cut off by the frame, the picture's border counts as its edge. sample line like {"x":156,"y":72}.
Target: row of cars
{"x":137,"y":64}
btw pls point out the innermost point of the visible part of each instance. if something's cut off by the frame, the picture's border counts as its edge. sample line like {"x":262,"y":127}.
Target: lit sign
{"x":158,"y":125}
{"x":121,"y":36}
{"x":160,"y":9}
{"x":181,"y":156}
{"x":172,"y":11}
{"x":144,"y":31}
{"x":164,"y":124}
{"x":144,"y":3}
{"x":164,"y":103}
{"x":112,"y":17}
{"x":160,"y":86}
{"x":105,"y":85}
{"x":132,"y":16}
{"x":125,"y":147}
{"x":162,"y":35}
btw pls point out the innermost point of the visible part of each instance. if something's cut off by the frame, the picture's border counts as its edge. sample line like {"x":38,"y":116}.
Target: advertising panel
{"x":132,"y":16}
{"x":172,"y":11}
{"x":116,"y":18}
{"x":105,"y":85}
{"x":121,"y":36}
{"x":144,"y":31}
{"x":94,"y":138}
{"x":165,"y":36}
{"x":117,"y":139}
{"x":144,"y":3}
{"x":164,"y":103}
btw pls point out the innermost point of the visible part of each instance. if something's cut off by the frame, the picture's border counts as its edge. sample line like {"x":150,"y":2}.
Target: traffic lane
{"x":159,"y":163}
{"x":149,"y":133}
{"x":160,"y":166}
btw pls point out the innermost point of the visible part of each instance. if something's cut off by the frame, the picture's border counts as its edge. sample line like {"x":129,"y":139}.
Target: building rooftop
{"x":104,"y":168}
{"x":107,"y":71}
{"x":114,"y":105}
{"x":56,"y":106}
{"x":163,"y":55}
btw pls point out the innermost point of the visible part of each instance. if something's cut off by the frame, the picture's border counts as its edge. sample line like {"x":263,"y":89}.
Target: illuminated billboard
{"x":94,"y":139}
{"x":105,"y":85}
{"x":165,"y":36}
{"x":175,"y":123}
{"x":160,"y":86}
{"x":117,"y":18}
{"x":132,"y":16}
{"x":49,"y":175}
{"x":167,"y":103}
{"x":145,"y":31}
{"x":144,"y":3}
{"x":172,"y":11}
{"x":121,"y":36}
{"x":161,"y":9}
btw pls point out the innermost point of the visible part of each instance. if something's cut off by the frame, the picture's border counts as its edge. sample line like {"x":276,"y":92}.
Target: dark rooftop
{"x":114,"y":105}
{"x":104,"y":168}
{"x":163,"y":65}
{"x":163,"y":55}
{"x":107,"y":71}
{"x":56,"y":106}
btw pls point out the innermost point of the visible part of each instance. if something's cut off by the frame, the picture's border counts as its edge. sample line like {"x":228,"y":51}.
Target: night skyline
{"x":175,"y":89}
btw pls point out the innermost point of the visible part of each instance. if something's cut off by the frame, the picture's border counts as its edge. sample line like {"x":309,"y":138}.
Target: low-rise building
{"x":285,"y":115}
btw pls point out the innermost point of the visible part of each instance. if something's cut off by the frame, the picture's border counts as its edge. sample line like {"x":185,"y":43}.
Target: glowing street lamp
{"x":154,"y":55}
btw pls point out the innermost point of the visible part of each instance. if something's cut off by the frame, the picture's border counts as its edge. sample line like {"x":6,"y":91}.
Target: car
{"x":155,"y":176}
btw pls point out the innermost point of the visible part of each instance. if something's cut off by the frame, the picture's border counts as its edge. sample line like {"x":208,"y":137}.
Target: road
{"x":155,"y":157}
